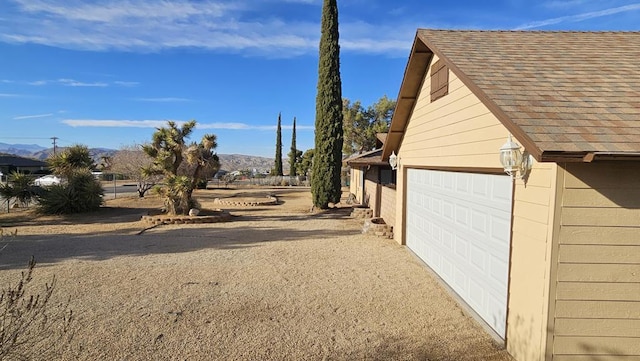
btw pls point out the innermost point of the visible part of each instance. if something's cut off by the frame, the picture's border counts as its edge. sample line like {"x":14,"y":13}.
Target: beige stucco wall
{"x":371,"y":190}
{"x":355,"y":183}
{"x":459,"y":131}
{"x":597,"y":289}
{"x":388,"y":205}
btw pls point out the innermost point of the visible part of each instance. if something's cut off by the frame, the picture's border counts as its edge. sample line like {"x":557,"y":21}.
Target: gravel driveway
{"x":276,"y":283}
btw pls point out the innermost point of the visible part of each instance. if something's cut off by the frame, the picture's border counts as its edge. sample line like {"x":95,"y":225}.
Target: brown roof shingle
{"x":373,"y":157}
{"x":558,"y":92}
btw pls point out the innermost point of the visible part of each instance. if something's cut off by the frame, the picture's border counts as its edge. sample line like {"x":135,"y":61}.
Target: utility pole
{"x":54,"y":145}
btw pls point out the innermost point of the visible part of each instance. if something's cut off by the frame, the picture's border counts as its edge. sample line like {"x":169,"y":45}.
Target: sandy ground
{"x":276,"y":283}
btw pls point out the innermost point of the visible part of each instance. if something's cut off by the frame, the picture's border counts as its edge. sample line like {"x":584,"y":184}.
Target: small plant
{"x":228,"y":179}
{"x":28,"y":327}
{"x":31,"y":328}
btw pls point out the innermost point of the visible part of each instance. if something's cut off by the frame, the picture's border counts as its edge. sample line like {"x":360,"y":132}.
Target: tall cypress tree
{"x":278,"y":165}
{"x":327,"y":163}
{"x":294,"y":151}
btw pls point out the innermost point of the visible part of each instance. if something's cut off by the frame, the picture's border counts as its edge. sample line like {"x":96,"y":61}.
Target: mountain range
{"x":228,"y":162}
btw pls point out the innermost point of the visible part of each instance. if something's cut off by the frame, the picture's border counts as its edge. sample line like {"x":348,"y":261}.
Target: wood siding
{"x":531,"y":247}
{"x":597,"y":296}
{"x":459,"y":131}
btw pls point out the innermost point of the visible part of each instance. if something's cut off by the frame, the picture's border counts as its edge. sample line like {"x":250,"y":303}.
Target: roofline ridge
{"x":532,"y":31}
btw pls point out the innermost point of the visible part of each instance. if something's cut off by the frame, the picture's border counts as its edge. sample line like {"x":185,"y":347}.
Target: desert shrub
{"x":81,"y":193}
{"x":202,"y":184}
{"x":20,"y":187}
{"x":31,"y":326}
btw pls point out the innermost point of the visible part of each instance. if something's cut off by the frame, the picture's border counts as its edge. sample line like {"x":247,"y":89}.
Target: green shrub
{"x":202,"y":184}
{"x":81,"y":193}
{"x":20,"y":187}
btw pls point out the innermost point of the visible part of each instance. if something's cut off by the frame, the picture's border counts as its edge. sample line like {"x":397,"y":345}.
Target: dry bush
{"x":32,"y":326}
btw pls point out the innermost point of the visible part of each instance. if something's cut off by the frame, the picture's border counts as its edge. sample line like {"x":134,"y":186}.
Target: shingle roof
{"x":373,"y":157}
{"x":558,"y":92}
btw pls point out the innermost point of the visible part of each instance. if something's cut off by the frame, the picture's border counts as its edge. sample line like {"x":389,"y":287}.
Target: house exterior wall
{"x":388,"y":205}
{"x":596,"y":292}
{"x":458,"y":132}
{"x":372,"y":190}
{"x":355,"y":183}
{"x":531,"y":248}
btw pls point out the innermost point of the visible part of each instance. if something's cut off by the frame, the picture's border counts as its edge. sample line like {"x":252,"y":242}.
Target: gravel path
{"x":276,"y":283}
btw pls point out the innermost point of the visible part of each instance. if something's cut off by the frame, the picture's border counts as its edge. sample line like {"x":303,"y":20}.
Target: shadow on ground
{"x":126,"y":240}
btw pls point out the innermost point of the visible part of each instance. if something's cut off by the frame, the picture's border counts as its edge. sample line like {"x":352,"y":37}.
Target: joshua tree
{"x":168,"y":149}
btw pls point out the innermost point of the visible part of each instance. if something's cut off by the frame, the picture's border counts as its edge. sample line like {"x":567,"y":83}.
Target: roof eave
{"x":588,"y":157}
{"x":419,"y":59}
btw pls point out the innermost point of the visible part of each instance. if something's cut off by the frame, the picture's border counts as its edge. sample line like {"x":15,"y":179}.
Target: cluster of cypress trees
{"x":327,"y":161}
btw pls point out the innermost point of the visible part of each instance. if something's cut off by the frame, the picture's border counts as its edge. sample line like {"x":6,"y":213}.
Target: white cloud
{"x":108,"y":123}
{"x":126,"y":83}
{"x":579,"y":17}
{"x":68,"y":82}
{"x":124,"y":9}
{"x":33,"y":116}
{"x":115,"y":123}
{"x":150,"y":25}
{"x":9,"y":95}
{"x":163,"y":100}
{"x":72,"y":82}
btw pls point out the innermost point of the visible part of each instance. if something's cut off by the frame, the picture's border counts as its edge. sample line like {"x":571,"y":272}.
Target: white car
{"x":47,"y":180}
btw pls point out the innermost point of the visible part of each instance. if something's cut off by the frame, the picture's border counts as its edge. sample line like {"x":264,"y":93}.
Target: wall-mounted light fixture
{"x":393,"y":160}
{"x":516,"y":163}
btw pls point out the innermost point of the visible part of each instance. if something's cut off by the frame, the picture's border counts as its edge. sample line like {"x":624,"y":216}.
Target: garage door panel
{"x":477,"y":260}
{"x":459,"y":224}
{"x":479,"y":222}
{"x":501,"y":229}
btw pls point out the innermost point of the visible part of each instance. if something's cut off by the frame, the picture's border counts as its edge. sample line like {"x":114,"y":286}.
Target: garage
{"x":459,"y":224}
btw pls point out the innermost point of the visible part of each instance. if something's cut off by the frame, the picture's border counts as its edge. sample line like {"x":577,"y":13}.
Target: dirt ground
{"x":276,"y":283}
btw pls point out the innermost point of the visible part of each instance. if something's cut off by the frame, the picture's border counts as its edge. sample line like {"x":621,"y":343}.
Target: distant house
{"x":12,"y":163}
{"x":549,"y":263}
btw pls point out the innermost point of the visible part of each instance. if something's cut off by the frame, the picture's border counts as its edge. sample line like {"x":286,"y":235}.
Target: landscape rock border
{"x":220,"y":216}
{"x":271,"y":200}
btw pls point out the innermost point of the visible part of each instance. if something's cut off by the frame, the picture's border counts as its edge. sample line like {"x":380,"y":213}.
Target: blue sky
{"x":106,"y":73}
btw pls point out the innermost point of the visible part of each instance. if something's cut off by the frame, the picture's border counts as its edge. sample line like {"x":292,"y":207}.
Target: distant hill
{"x":97,"y":153}
{"x":228,"y":162}
{"x":25,"y":150}
{"x":233,"y":162}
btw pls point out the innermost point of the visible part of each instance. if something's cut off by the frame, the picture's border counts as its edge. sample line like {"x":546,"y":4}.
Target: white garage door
{"x":459,"y":224}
